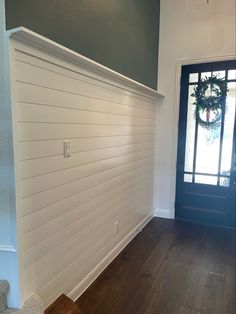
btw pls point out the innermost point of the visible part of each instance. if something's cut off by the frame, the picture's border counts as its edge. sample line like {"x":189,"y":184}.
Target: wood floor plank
{"x":171,"y":267}
{"x":63,"y":305}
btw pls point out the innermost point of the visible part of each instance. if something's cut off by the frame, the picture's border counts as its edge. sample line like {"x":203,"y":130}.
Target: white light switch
{"x":66,"y":148}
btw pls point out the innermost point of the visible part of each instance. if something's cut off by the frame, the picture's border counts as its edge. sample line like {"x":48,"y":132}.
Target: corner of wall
{"x":164,"y":213}
{"x":8,"y":254}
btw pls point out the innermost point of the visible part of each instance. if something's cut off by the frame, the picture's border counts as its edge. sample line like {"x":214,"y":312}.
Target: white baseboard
{"x":88,"y":280}
{"x":163,"y":213}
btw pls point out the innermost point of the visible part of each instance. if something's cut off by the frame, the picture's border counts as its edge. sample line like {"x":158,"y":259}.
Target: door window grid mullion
{"x":195,"y":139}
{"x":222,"y":132}
{"x":208,"y":174}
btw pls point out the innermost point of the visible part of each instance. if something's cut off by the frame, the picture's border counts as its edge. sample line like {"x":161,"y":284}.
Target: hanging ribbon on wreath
{"x":209,"y":97}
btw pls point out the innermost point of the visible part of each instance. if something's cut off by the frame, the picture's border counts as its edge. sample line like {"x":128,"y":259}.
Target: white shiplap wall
{"x":67,"y":207}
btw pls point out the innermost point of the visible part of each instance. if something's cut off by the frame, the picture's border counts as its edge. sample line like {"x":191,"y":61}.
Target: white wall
{"x":8,"y":256}
{"x":67,"y":207}
{"x":190,"y":31}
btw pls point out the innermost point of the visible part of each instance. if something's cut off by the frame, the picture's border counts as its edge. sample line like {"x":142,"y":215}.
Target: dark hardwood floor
{"x":62,"y":305}
{"x":170,"y":267}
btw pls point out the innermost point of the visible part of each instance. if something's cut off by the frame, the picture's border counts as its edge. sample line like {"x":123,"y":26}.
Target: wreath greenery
{"x":209,"y":96}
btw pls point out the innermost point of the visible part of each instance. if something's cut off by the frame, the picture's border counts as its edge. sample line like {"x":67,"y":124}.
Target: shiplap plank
{"x":78,"y":250}
{"x":59,"y":222}
{"x":72,"y":243}
{"x":48,"y":114}
{"x":100,"y":249}
{"x":83,"y":82}
{"x":46,"y":131}
{"x":49,"y":197}
{"x":33,"y":74}
{"x":101,"y":202}
{"x":40,"y":149}
{"x":44,"y":61}
{"x":45,"y":165}
{"x":46,"y":214}
{"x":49,"y":181}
{"x":106,"y":216}
{"x":27,"y":93}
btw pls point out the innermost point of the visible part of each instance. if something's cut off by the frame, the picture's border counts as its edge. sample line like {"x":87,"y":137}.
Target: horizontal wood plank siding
{"x":68,"y":206}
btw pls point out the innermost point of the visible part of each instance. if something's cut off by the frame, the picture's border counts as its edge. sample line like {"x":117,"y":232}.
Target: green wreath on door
{"x":210,"y":94}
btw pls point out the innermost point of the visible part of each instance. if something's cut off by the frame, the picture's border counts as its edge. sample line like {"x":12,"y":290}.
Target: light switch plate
{"x":66,"y":145}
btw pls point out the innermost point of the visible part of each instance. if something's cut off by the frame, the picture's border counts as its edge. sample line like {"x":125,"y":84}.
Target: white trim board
{"x":91,"y":277}
{"x":27,"y":36}
{"x":163,"y":213}
{"x":7,"y":248}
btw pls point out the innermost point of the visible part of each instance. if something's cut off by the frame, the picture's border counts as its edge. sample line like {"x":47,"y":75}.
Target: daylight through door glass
{"x":208,"y":150}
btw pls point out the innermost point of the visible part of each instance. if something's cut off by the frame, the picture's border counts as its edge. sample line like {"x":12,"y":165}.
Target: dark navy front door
{"x":206,"y":165}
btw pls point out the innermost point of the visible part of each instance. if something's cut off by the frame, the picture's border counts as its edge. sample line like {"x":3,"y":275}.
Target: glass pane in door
{"x":190,"y":136}
{"x":208,"y":150}
{"x":227,"y":145}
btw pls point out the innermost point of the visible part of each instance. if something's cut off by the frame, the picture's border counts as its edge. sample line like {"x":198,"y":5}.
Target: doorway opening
{"x":206,"y":159}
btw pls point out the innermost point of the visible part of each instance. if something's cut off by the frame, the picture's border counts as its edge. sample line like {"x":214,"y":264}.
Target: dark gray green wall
{"x":121,"y":34}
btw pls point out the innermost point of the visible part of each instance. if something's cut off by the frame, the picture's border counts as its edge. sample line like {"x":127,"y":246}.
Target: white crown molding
{"x":27,"y":36}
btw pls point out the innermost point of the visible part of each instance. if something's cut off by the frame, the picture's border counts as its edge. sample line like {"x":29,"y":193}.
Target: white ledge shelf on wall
{"x":86,"y":65}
